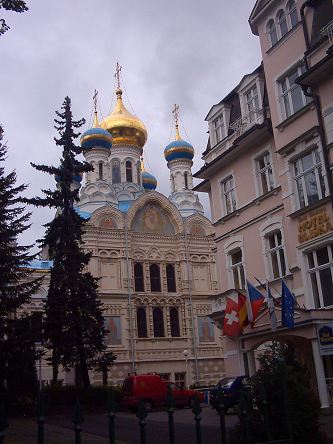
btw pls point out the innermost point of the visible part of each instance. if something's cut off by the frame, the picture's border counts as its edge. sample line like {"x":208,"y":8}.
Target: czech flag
{"x":255,"y":301}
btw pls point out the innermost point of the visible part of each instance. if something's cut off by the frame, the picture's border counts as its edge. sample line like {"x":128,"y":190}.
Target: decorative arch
{"x":107,"y":217}
{"x":198,"y":225}
{"x":153,"y":213}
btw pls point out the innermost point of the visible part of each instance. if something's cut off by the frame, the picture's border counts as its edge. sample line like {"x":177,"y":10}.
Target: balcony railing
{"x":244,"y":123}
{"x":328,"y":30}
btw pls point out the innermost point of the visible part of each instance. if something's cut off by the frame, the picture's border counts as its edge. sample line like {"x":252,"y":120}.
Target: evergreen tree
{"x":11,"y":5}
{"x":286,"y":405}
{"x":74,"y":326}
{"x":16,"y":285}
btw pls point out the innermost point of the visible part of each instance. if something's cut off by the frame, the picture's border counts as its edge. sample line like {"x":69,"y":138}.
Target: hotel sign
{"x":325,"y":338}
{"x":314,"y":224}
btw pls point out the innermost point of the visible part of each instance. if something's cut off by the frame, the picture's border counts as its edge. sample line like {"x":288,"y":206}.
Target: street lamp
{"x":39,"y":349}
{"x":186,"y":353}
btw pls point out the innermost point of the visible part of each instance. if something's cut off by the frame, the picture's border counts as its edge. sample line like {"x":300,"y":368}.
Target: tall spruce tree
{"x":11,"y":5}
{"x":16,"y":283}
{"x":74,"y":326}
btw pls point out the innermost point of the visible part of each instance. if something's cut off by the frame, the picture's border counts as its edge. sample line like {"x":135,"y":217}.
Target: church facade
{"x":153,"y":255}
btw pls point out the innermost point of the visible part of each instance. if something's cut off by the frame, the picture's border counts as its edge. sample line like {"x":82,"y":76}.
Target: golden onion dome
{"x":123,"y":126}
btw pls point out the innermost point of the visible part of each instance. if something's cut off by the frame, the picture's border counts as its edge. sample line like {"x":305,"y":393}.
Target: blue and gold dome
{"x":149,"y":182}
{"x":178,"y":149}
{"x":96,"y":137}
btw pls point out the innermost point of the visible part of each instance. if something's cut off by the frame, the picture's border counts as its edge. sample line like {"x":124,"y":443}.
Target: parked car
{"x":152,"y":389}
{"x":231,"y":388}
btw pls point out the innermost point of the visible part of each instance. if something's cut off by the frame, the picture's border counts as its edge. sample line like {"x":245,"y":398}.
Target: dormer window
{"x":219,"y":129}
{"x":252,"y":103}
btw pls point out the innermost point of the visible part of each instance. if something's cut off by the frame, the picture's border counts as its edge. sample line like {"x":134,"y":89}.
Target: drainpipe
{"x":129,"y":297}
{"x":316,"y":101}
{"x":189,"y":277}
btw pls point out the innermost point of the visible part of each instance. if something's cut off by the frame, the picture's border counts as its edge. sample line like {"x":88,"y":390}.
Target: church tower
{"x":179,"y":155}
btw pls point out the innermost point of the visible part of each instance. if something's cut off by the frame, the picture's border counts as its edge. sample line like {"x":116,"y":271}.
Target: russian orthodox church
{"x":154,"y":255}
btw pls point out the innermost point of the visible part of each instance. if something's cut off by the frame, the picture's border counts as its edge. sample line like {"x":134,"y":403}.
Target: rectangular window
{"x":219,"y":129}
{"x":309,"y":181}
{"x":320,"y":263}
{"x":252,"y":104}
{"x":275,"y":253}
{"x":264,"y":173}
{"x":292,"y":97}
{"x":180,"y":379}
{"x":237,"y":268}
{"x":206,"y":329}
{"x":113,"y":330}
{"x":229,"y":195}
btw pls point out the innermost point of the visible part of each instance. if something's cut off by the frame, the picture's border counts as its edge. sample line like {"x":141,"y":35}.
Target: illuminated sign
{"x":325,"y":338}
{"x":313,"y":225}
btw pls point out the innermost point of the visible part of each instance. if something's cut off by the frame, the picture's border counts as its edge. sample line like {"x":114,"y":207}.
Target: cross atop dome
{"x":117,"y":75}
{"x":175,"y":113}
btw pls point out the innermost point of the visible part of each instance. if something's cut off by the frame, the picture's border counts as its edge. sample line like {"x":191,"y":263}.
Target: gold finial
{"x":142,"y":164}
{"x":95,"y":123}
{"x":175,"y":113}
{"x":117,"y":75}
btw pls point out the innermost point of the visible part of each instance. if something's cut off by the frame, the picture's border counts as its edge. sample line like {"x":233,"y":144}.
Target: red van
{"x":153,"y":390}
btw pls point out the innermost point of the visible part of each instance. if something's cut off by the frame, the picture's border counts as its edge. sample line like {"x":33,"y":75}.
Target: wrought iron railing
{"x":328,"y":30}
{"x":244,"y":123}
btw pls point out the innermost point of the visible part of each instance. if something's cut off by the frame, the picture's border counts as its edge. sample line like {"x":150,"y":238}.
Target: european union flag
{"x":288,"y":305}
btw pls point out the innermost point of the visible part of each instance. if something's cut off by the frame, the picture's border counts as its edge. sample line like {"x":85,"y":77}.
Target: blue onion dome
{"x":178,"y":149}
{"x":149,"y":181}
{"x":96,"y":137}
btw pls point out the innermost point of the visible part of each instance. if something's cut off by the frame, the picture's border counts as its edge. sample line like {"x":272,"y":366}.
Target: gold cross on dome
{"x":175,"y":113}
{"x":117,"y":75}
{"x":95,"y":100}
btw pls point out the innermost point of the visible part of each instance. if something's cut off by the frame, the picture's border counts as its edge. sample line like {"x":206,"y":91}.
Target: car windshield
{"x":226,"y":382}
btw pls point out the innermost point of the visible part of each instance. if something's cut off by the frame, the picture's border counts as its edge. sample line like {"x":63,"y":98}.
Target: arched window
{"x":172,"y":184}
{"x":155,"y":278}
{"x":186,"y":181}
{"x":138,"y":172}
{"x":271,"y":30}
{"x":282,"y":21}
{"x":100,"y":171}
{"x":116,"y":172}
{"x":139,"y":284}
{"x":129,"y":172}
{"x":158,"y":322}
{"x":141,"y":321}
{"x":292,"y":11}
{"x":174,"y":322}
{"x":171,"y":278}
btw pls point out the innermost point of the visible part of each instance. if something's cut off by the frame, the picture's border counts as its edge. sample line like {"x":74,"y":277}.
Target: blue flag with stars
{"x":288,"y":305}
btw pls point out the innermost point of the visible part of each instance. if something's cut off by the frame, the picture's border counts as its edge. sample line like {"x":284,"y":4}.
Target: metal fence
{"x":142,"y":415}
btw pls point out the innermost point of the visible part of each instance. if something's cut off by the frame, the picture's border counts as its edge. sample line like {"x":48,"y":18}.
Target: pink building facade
{"x":267,"y":170}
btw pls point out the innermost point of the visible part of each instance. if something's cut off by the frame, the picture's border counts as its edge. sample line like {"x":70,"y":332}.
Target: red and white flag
{"x":235,"y":317}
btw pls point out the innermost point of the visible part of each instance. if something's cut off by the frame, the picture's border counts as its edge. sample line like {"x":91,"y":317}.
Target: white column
{"x":320,"y":375}
{"x":251,"y":362}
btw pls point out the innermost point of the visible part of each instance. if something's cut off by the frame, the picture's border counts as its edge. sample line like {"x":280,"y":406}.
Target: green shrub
{"x":67,"y":395}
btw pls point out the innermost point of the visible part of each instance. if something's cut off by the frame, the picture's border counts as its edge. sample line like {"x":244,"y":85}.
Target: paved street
{"x":127,"y":428}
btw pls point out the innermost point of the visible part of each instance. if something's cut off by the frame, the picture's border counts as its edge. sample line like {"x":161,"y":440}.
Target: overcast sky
{"x":189,"y":52}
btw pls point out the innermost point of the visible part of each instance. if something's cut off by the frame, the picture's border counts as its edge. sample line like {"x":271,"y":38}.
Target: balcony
{"x":328,"y":30}
{"x":244,"y":123}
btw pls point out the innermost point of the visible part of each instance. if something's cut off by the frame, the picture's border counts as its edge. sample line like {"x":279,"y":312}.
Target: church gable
{"x":152,"y":218}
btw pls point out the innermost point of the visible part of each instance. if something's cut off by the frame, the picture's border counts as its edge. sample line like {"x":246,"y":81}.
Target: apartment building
{"x":267,"y":170}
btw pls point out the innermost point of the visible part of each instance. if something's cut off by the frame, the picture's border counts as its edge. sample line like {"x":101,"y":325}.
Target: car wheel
{"x":148,"y":405}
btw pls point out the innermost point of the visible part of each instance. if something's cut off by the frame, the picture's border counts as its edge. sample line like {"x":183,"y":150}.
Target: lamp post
{"x":186,"y":353}
{"x":39,"y":349}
